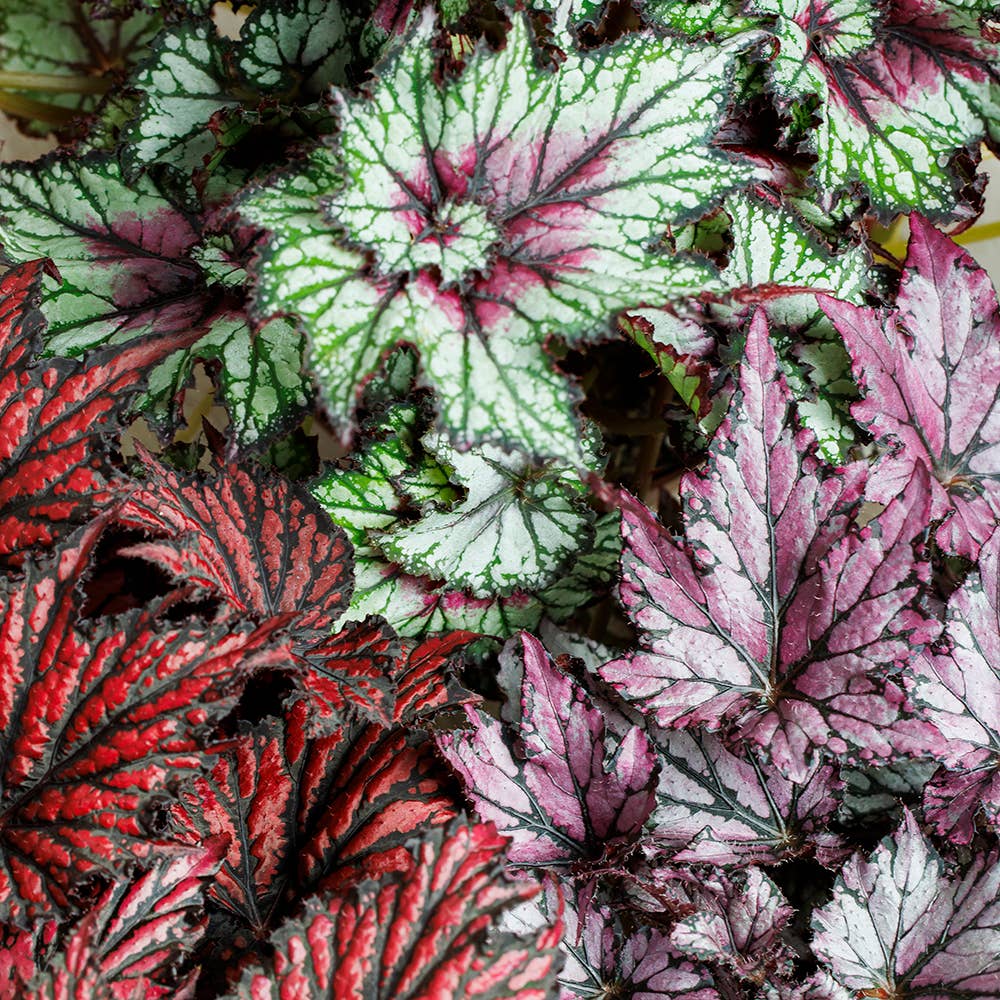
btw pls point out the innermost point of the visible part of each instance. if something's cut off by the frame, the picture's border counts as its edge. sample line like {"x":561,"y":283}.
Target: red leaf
{"x":134,"y":939}
{"x":97,"y":725}
{"x":53,"y":467}
{"x":260,"y":544}
{"x":302,"y":811}
{"x":424,"y":934}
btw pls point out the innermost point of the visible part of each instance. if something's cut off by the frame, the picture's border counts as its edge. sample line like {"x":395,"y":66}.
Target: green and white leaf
{"x":202,"y":91}
{"x":582,"y":168}
{"x":63,"y":41}
{"x":883,"y":95}
{"x":374,"y":498}
{"x":122,"y":250}
{"x":517,"y":527}
{"x":261,"y":379}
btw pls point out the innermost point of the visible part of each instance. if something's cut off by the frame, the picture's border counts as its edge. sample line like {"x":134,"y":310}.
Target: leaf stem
{"x":54,"y":83}
{"x":25,"y":107}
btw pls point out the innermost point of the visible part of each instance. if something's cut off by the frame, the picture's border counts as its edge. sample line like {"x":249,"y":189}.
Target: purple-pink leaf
{"x":955,"y":689}
{"x":641,"y":964}
{"x":930,"y":373}
{"x":739,"y":925}
{"x":776,"y":613}
{"x":899,"y":925}
{"x":724,"y":806}
{"x":570,"y":786}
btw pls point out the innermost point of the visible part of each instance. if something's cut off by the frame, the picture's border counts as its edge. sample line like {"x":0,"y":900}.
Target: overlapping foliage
{"x":482,"y":515}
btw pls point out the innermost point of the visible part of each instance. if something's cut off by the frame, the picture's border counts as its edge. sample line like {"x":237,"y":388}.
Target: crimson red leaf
{"x":260,"y":544}
{"x":352,"y":669}
{"x":96,"y":725}
{"x":427,"y":933}
{"x":775,"y":613}
{"x":302,"y":810}
{"x":132,"y":941}
{"x":570,"y":786}
{"x":930,"y":371}
{"x":53,"y":468}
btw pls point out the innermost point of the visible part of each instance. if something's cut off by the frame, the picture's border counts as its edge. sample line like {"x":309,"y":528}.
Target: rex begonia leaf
{"x":955,"y":689}
{"x":98,"y":723}
{"x":739,"y":925}
{"x":775,"y":613}
{"x":517,"y":527}
{"x":54,"y":470}
{"x":518,"y":208}
{"x":132,"y":940}
{"x":898,"y":925}
{"x":424,"y":934}
{"x":930,"y":373}
{"x":570,"y":786}
{"x":871,"y":792}
{"x":201,"y":92}
{"x":62,"y":40}
{"x":257,"y":542}
{"x":724,"y":806}
{"x":372,"y":495}
{"x":263,"y":546}
{"x":682,"y":349}
{"x":782,"y":261}
{"x":602,"y":957}
{"x":260,"y":375}
{"x":301,"y":808}
{"x":886,"y":96}
{"x":127,"y":263}
{"x":369,"y":669}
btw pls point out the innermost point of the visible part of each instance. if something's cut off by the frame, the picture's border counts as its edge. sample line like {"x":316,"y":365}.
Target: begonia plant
{"x":489,"y":510}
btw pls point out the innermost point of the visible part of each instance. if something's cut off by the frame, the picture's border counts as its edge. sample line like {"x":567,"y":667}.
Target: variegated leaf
{"x":422,"y":935}
{"x":775,"y":614}
{"x":571,"y":787}
{"x":65,"y":55}
{"x":930,"y":375}
{"x":898,"y":925}
{"x":726,"y":806}
{"x":519,"y":206}
{"x":516,"y":528}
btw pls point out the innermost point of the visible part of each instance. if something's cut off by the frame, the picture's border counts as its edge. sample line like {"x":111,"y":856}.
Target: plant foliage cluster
{"x":583,"y":579}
